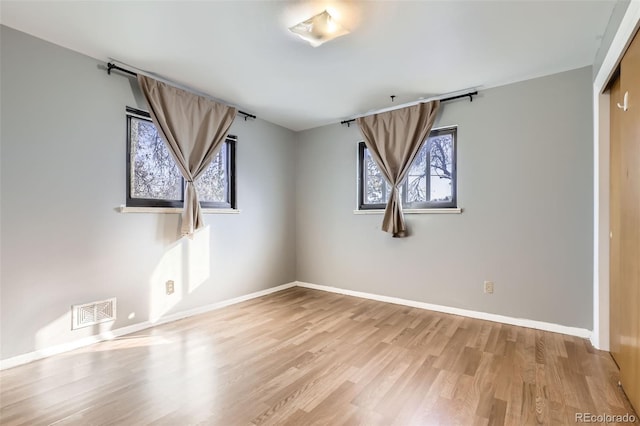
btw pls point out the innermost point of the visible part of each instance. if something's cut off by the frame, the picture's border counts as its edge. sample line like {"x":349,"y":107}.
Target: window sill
{"x":172,"y":210}
{"x":452,"y":210}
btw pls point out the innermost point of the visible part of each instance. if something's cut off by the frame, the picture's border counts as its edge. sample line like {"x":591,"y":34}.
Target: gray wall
{"x":525,"y":183}
{"x":63,"y":175}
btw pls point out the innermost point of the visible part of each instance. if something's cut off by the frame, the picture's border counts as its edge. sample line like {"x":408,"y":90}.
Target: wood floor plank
{"x":302,"y":357}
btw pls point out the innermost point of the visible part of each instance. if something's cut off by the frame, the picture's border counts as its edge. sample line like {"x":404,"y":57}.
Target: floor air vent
{"x":93,"y":313}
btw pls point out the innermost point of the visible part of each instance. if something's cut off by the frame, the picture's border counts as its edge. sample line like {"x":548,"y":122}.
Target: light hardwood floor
{"x":303,"y":356}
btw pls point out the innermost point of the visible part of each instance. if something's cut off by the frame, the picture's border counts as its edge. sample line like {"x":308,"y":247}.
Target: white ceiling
{"x":241,"y":52}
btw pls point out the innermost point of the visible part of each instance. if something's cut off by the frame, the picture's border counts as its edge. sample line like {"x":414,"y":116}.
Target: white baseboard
{"x":522,"y":322}
{"x":112,"y":334}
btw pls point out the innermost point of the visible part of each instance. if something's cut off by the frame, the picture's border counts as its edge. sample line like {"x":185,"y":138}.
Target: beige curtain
{"x":394,"y":139}
{"x":194,"y":128}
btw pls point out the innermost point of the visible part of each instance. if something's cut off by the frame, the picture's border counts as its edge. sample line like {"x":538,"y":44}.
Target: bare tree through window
{"x":212,"y":185}
{"x":429,"y":183}
{"x":155,"y":174}
{"x":154,"y":179}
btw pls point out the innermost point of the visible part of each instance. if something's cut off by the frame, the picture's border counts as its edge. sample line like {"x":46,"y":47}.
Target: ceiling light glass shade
{"x":319,"y":29}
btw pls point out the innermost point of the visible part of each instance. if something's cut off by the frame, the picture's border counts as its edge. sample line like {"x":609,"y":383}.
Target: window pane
{"x":155,"y":174}
{"x":376,"y":189}
{"x":441,"y":148}
{"x":417,"y":178}
{"x":430,"y":181}
{"x":212,"y":185}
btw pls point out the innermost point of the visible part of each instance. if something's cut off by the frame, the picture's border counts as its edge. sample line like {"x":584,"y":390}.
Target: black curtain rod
{"x":470,"y":95}
{"x":111,"y":66}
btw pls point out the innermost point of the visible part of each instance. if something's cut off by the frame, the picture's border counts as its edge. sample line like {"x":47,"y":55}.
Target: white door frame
{"x":626,"y":30}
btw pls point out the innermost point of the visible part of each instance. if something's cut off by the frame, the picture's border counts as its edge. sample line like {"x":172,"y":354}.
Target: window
{"x":430,"y":183}
{"x":153,"y":178}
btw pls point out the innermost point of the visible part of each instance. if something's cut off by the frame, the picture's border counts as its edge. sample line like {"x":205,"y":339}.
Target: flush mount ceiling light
{"x":319,"y":29}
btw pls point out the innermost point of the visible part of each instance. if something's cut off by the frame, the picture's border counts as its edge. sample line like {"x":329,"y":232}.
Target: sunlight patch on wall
{"x":198,"y":259}
{"x":57,"y":331}
{"x":53,"y":333}
{"x":187,"y":264}
{"x":170,"y":268}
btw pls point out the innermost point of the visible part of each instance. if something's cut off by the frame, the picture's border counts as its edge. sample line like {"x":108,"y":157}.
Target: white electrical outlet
{"x":170,"y":287}
{"x":488,"y":287}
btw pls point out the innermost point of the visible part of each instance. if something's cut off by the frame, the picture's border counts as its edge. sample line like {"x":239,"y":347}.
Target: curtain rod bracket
{"x":247,"y":115}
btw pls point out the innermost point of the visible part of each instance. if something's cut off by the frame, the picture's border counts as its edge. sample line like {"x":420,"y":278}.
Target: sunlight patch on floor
{"x":126,"y":343}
